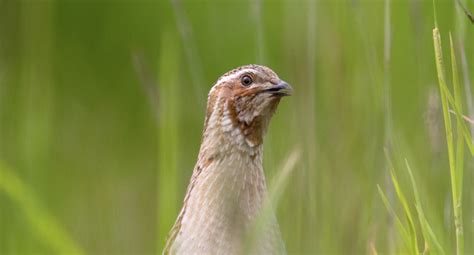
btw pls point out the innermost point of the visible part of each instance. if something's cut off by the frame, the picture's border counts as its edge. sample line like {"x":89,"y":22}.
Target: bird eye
{"x":246,"y":80}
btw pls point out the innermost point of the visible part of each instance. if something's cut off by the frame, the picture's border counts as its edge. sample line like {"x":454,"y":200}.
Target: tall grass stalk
{"x":260,"y":42}
{"x":456,"y":135}
{"x":455,"y":154}
{"x":167,"y":190}
{"x":458,"y":174}
{"x":387,"y":91}
{"x":190,"y":51}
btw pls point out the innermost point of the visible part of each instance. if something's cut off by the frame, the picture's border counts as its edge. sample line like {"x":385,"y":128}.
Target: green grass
{"x":42,"y":225}
{"x":456,"y":137}
{"x":102,"y":107}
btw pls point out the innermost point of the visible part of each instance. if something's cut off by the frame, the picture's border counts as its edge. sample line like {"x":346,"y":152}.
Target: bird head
{"x":242,"y":102}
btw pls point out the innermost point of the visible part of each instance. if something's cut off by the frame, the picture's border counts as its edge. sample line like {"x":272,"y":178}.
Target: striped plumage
{"x":227,"y":189}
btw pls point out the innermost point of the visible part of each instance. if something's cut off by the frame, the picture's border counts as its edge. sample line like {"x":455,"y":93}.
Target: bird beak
{"x":281,"y":89}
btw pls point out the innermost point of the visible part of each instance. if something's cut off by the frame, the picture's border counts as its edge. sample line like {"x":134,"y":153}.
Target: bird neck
{"x":225,"y":196}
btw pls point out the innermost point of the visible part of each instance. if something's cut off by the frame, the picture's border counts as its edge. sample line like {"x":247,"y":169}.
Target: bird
{"x":227,"y":190}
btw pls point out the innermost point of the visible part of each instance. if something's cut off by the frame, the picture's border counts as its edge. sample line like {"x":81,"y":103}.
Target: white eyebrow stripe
{"x":235,"y":75}
{"x":231,"y":77}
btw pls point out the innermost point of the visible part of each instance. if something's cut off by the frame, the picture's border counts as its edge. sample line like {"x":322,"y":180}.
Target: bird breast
{"x":225,"y":198}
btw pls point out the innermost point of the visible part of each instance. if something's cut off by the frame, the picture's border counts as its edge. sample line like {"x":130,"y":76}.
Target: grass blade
{"x":402,"y":198}
{"x":401,"y":228}
{"x":457,"y":173}
{"x":408,"y":214}
{"x":456,"y":157}
{"x":459,"y":122}
{"x":42,"y":224}
{"x":428,"y":232}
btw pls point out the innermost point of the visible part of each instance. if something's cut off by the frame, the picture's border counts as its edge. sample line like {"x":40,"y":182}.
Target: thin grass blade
{"x":42,"y":224}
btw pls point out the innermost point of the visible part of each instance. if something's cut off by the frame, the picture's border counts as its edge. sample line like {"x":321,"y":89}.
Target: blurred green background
{"x":102,"y":105}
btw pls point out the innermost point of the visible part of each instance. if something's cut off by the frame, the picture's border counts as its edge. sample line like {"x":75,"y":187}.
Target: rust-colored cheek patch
{"x":229,"y":93}
{"x":233,"y":112}
{"x":253,"y":132}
